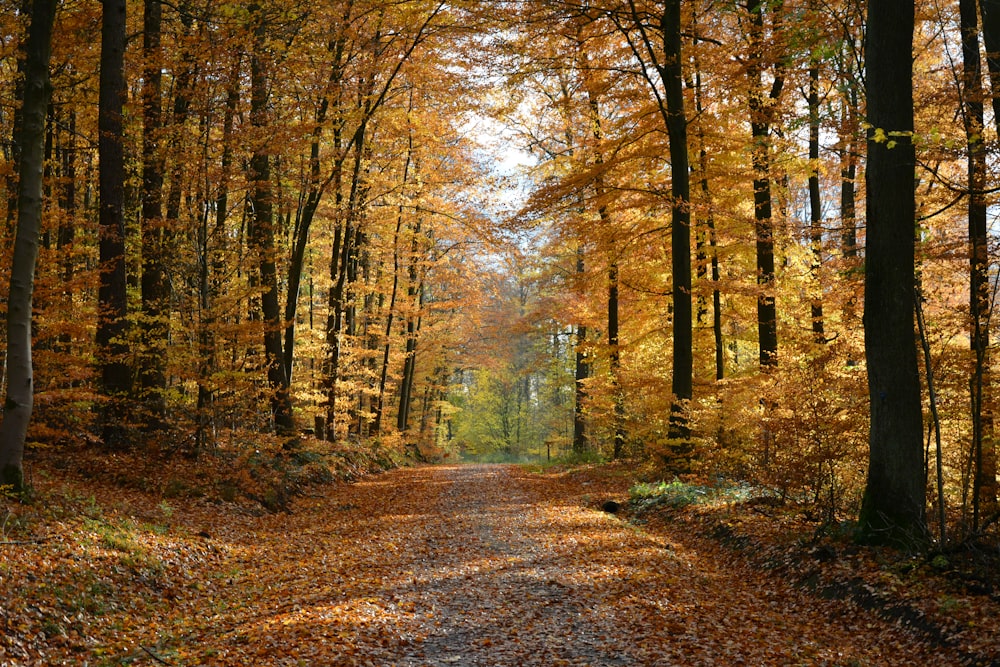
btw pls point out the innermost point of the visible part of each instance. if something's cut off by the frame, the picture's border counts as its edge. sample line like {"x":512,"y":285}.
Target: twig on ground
{"x":152,"y":655}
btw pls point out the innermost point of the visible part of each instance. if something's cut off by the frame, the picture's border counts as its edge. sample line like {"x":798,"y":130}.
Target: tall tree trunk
{"x":848,"y":151}
{"x":893,"y":507}
{"x":991,"y":39}
{"x":391,"y":310}
{"x":415,"y":292}
{"x":581,"y":442}
{"x":815,"y":204}
{"x":720,"y":360}
{"x":316,"y":188}
{"x":215,"y":258}
{"x":112,"y":293}
{"x":67,"y":220}
{"x":261,"y":236}
{"x":20,"y":386}
{"x":761,"y":105}
{"x":340,"y":266}
{"x":680,"y":221}
{"x":613,"y":309}
{"x":152,"y":378}
{"x":980,"y":305}
{"x":614,"y":361}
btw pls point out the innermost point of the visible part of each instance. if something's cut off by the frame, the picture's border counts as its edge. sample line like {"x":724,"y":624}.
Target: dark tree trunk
{"x":339,"y":270}
{"x":980,"y":306}
{"x":680,"y":221}
{"x":893,"y":508}
{"x":379,"y":407}
{"x":152,"y":378}
{"x":67,"y":220}
{"x":316,"y":188}
{"x":848,"y":174}
{"x":214,"y":257}
{"x":815,"y":206}
{"x":581,"y":373}
{"x":614,"y":361}
{"x":261,"y":238}
{"x":415,"y":292}
{"x":720,"y":360}
{"x":762,"y":104}
{"x":991,"y":39}
{"x":20,"y":386}
{"x":112,"y":293}
{"x":613,"y":308}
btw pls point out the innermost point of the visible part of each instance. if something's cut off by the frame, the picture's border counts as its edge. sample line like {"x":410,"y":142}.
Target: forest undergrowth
{"x":451,"y":564}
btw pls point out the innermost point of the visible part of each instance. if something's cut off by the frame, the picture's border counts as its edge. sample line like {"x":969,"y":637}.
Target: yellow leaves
{"x":889,"y":138}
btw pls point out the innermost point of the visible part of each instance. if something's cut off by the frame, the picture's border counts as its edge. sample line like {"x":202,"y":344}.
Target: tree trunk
{"x":379,"y":407}
{"x":893,"y":507}
{"x":214,"y":257}
{"x":680,"y":221}
{"x":112,"y":293}
{"x":762,"y":105}
{"x":720,"y":360}
{"x":415,"y":292}
{"x":980,"y":306}
{"x":67,"y":221}
{"x":154,"y":287}
{"x":815,"y":205}
{"x":848,"y":173}
{"x":261,"y":238}
{"x":20,"y":385}
{"x":613,"y":310}
{"x":581,"y":442}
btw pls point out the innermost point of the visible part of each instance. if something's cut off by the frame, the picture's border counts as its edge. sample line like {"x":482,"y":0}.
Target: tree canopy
{"x":597,"y":228}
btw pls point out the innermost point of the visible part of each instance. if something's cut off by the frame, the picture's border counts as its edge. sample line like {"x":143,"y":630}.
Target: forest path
{"x":496,"y":565}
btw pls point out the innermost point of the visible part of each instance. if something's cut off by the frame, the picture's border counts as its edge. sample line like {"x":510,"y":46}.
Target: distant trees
{"x":278,"y":216}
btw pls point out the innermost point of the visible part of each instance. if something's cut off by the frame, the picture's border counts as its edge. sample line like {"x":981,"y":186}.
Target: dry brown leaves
{"x":458,"y":565}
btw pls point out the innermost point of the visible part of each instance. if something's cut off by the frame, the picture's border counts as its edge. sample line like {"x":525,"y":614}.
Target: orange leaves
{"x":431,"y":566}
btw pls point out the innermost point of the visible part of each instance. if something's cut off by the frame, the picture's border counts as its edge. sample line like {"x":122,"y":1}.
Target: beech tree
{"x":153,"y":283}
{"x":261,"y":235}
{"x":112,"y":324}
{"x":893,"y":508}
{"x":669,"y":95}
{"x":20,"y":381}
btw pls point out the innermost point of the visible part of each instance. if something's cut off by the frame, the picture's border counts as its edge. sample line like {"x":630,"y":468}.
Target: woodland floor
{"x":449,"y":565}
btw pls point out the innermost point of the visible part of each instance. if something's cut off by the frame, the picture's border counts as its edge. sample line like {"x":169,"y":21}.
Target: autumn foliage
{"x":281,"y":235}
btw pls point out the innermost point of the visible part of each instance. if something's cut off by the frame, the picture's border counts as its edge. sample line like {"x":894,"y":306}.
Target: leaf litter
{"x":447,"y":565}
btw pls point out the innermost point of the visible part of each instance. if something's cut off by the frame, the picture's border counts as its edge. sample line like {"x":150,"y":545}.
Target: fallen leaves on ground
{"x":449,"y":565}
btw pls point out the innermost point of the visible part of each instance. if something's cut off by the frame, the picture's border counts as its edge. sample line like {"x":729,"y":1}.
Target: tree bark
{"x":761,"y":105}
{"x":680,"y":221}
{"x":415,"y":292}
{"x":112,"y":293}
{"x":20,"y":385}
{"x":815,"y":205}
{"x":391,"y":310}
{"x":893,"y":507}
{"x":720,"y":360}
{"x":980,"y":301}
{"x":154,"y":287}
{"x":261,"y":236}
{"x":581,"y":442}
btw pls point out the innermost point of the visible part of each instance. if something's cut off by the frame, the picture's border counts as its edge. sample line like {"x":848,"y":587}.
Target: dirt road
{"x":493,"y":565}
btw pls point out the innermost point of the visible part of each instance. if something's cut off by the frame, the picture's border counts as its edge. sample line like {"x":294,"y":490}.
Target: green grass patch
{"x":678,"y":494}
